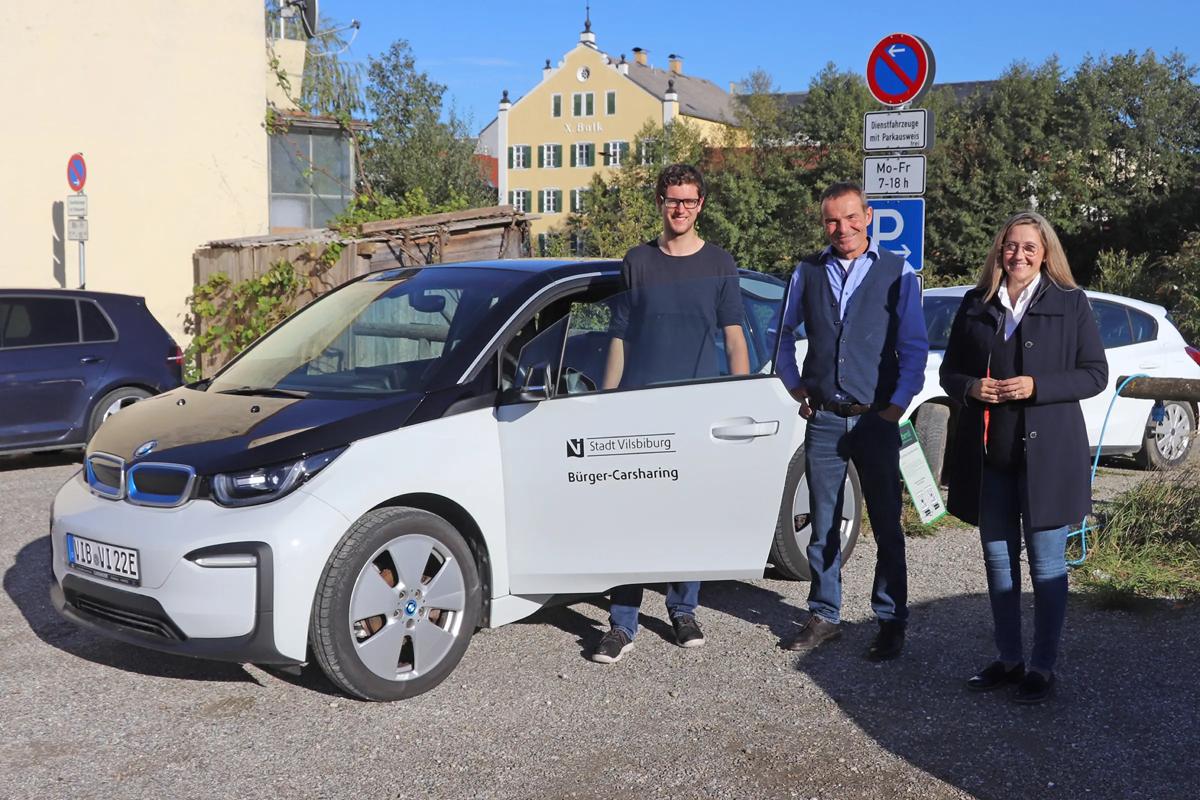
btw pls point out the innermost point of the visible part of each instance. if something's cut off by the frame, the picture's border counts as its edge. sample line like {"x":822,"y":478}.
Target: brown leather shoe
{"x":816,"y":631}
{"x":889,"y":642}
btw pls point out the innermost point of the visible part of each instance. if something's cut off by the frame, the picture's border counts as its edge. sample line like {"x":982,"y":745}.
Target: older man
{"x":867,"y":346}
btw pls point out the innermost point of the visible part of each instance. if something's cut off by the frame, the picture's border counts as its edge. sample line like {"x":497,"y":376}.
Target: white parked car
{"x":1138,"y":339}
{"x":418,"y":453}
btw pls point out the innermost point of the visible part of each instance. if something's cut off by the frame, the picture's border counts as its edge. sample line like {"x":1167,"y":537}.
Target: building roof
{"x":697,"y":97}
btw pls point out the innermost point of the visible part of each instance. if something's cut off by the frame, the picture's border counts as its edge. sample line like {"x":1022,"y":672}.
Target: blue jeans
{"x":1004,"y":504}
{"x":873,"y":444}
{"x":682,"y":598}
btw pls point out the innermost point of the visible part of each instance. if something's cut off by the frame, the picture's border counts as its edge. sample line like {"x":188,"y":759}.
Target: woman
{"x":1023,"y":351}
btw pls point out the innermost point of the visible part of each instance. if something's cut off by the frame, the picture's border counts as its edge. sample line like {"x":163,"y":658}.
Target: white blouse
{"x":1013,"y":313}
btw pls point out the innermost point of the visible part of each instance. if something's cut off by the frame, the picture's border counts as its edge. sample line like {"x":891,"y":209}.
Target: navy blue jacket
{"x":1062,"y":352}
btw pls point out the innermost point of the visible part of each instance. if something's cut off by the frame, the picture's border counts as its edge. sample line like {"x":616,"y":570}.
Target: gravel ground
{"x":527,"y":716}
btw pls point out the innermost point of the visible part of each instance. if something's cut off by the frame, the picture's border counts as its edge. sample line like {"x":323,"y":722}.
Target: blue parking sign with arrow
{"x":899,"y":225}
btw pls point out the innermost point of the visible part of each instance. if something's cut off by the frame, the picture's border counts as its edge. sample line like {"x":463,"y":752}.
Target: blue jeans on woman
{"x":1004,"y":505}
{"x":682,"y":598}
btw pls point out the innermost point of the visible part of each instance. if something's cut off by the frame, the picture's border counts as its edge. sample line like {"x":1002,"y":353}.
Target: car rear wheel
{"x":396,"y":606}
{"x":111,"y":403}
{"x":1167,"y":443}
{"x":793,"y":530}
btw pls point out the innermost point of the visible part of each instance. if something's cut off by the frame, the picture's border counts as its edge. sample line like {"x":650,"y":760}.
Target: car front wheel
{"x":1167,"y":443}
{"x":396,"y":606}
{"x":113,"y":402}
{"x":793,"y":530}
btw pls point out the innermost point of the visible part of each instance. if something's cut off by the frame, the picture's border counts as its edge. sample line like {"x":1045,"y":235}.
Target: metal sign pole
{"x":82,"y":266}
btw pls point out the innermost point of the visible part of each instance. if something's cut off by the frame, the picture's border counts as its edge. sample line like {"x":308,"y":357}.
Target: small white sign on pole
{"x":77,"y":205}
{"x":894,"y":175}
{"x":896,"y":130}
{"x":77,"y":230}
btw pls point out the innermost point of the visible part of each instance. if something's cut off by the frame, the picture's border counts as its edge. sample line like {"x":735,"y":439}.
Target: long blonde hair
{"x":1054,"y":264}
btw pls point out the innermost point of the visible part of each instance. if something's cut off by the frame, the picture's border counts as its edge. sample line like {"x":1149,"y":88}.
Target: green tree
{"x":409,"y":145}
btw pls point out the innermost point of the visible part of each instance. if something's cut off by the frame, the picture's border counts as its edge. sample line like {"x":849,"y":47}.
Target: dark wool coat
{"x":1061,"y":350}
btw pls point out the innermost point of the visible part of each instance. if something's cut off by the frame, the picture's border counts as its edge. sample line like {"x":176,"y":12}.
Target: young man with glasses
{"x":679,"y":292}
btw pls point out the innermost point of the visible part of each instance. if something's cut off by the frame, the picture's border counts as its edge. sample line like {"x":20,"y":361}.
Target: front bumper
{"x":255,"y":613}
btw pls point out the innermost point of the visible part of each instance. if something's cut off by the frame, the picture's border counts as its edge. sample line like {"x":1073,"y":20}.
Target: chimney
{"x":675,"y":64}
{"x":546,"y":70}
{"x":670,"y":103}
{"x":623,"y":65}
{"x":641,"y":56}
{"x":502,"y":148}
{"x":732,"y":88}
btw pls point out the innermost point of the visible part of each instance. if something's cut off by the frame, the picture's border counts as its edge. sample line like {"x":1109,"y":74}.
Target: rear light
{"x":175,"y":355}
{"x":1194,"y":353}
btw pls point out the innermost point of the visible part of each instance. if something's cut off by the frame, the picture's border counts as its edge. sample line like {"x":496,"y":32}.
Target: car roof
{"x":1141,"y":305}
{"x":71,"y":293}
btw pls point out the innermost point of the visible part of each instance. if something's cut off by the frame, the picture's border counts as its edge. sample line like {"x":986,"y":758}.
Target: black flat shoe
{"x":888,"y":643}
{"x":995,"y":675}
{"x":1034,"y":688}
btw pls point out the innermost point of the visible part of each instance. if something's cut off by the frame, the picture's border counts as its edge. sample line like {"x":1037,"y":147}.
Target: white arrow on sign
{"x":894,"y":49}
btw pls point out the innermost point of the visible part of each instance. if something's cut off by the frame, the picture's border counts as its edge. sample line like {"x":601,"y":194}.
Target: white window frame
{"x":581,"y":154}
{"x":646,"y":146}
{"x":586,"y":99}
{"x":577,"y":199}
{"x":519,"y":159}
{"x":614,"y":153}
{"x":520,"y":200}
{"x":548,"y":155}
{"x":547,"y":196}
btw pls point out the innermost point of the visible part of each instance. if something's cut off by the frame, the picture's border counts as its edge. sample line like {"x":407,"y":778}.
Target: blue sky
{"x":478,"y":49}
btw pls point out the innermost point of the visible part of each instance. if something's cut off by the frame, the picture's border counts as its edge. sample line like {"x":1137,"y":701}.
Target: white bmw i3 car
{"x":421,"y":452}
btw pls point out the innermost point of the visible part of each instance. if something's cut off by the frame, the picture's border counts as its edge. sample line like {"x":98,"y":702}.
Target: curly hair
{"x":679,"y":175}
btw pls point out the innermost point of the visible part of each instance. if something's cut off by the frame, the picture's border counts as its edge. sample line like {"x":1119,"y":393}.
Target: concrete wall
{"x":166,"y":102}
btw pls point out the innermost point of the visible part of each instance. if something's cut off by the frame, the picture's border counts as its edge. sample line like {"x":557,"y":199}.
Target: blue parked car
{"x":71,"y":359}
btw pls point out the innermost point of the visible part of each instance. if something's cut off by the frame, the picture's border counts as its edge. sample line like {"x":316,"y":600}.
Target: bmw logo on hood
{"x":146,"y":449}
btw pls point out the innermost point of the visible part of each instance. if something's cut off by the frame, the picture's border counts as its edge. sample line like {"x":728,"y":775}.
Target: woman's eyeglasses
{"x":1028,"y":248}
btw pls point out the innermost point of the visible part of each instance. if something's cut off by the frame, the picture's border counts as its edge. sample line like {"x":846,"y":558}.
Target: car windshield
{"x":388,"y":333}
{"x":939,"y":316}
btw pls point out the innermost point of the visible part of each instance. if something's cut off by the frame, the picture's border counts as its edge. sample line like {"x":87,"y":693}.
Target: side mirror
{"x":538,"y":385}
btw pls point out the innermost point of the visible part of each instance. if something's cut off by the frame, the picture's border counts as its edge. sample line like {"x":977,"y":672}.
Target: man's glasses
{"x":1028,"y":248}
{"x":687,"y":202}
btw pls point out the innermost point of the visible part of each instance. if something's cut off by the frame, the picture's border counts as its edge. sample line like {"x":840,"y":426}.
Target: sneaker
{"x":815,"y":632}
{"x":613,"y":645}
{"x":687,"y":631}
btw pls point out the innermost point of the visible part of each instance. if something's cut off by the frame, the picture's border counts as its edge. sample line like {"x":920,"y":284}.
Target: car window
{"x":1113,"y":322}
{"x":37,"y":321}
{"x":1145,"y":329}
{"x":939,"y":313}
{"x":387,"y":333}
{"x":96,"y":327}
{"x":762,"y":299}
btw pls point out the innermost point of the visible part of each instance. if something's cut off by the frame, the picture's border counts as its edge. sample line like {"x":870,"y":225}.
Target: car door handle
{"x":746,"y":430}
{"x":1149,"y":365}
{"x":91,"y":360}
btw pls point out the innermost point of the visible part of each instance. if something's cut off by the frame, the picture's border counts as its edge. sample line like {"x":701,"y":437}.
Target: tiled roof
{"x":697,"y":97}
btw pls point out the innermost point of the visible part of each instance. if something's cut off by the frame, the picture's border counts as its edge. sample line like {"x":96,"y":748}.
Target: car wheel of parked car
{"x":396,"y":606}
{"x":1168,"y":443}
{"x":794,"y":528}
{"x":932,"y":422}
{"x":113,"y":402}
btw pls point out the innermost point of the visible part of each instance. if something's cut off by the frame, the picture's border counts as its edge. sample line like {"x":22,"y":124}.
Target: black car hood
{"x":214,"y":432}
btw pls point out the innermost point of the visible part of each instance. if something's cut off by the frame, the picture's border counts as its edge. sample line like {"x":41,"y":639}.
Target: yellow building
{"x":582,"y":118}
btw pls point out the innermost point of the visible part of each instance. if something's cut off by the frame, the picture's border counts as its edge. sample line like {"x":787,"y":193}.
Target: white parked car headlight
{"x":264,"y":484}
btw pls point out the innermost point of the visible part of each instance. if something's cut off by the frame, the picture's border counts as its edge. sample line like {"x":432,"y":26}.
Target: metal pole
{"x":82,"y":266}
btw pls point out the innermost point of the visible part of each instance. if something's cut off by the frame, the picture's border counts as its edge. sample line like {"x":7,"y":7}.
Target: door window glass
{"x":34,"y":321}
{"x":1113,"y":322}
{"x":1145,"y":329}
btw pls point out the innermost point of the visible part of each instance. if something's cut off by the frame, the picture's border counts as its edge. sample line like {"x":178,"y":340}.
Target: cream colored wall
{"x":166,"y":102}
{"x":530,"y":122}
{"x":291,"y":54}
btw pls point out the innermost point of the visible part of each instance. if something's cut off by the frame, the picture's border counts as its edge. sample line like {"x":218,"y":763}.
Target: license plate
{"x":103,"y":560}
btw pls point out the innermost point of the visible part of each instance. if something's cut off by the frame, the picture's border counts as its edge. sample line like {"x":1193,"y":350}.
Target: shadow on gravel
{"x":1123,"y":723}
{"x":753,"y":604}
{"x":27,"y":583}
{"x":49,"y":458}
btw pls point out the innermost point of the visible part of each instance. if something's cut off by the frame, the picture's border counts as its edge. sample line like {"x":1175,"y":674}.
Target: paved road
{"x":527,"y":716}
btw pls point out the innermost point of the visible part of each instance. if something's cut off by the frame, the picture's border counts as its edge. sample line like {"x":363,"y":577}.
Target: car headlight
{"x":264,"y":484}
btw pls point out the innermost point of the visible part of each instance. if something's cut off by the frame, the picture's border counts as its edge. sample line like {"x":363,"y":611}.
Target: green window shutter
{"x":590,"y":107}
{"x":606,"y":151}
{"x":577,"y":104}
{"x":541,"y":244}
{"x":510,"y":158}
{"x":558,"y":206}
{"x":558,"y":155}
{"x":557,"y":105}
{"x":541,"y":204}
{"x":574,"y":149}
{"x":541,"y":157}
{"x":624,"y":150}
{"x":611,"y":100}
{"x":591,"y":155}
{"x":510,"y":198}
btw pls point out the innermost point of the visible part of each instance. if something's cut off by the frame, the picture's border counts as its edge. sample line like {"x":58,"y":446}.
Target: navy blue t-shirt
{"x":671,"y":313}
